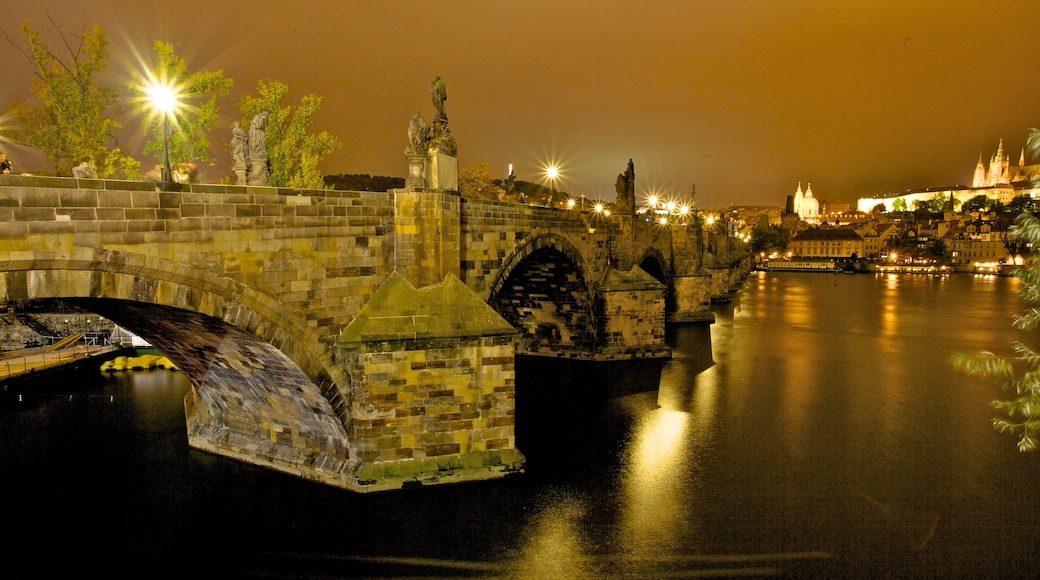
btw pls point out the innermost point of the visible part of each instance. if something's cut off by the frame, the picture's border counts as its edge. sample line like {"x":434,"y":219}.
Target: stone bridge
{"x":360,"y":339}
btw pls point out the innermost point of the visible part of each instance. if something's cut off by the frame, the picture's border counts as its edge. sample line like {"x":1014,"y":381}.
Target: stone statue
{"x":238,"y":145}
{"x":84,"y":171}
{"x":257,"y":143}
{"x":418,"y":135}
{"x":439,"y":94}
{"x":625,"y":188}
{"x":258,"y":170}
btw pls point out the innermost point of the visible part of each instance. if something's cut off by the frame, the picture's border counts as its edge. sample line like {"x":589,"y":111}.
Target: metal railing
{"x":23,"y":364}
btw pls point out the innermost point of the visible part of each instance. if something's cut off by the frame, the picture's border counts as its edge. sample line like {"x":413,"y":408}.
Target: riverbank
{"x":31,"y":364}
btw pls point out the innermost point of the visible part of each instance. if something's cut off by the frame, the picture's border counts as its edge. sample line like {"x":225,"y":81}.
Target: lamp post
{"x":552,"y":172}
{"x":164,"y":99}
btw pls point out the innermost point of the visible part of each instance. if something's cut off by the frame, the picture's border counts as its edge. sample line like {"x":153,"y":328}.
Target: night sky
{"x":743,"y":98}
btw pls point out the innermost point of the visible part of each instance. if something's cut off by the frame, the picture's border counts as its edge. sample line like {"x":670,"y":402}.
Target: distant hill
{"x":363,"y":182}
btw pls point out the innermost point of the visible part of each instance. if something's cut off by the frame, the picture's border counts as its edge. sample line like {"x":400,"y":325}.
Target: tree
{"x":1018,"y":374}
{"x":293,"y":154}
{"x":769,"y":239}
{"x":1022,"y":203}
{"x":899,"y":205}
{"x":475,"y":181}
{"x":932,"y":205}
{"x":195,"y":113}
{"x":979,"y":203}
{"x":72,"y":121}
{"x":878,"y":209}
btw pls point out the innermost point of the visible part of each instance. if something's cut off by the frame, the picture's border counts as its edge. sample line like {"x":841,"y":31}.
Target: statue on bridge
{"x":431,"y":151}
{"x":439,"y":94}
{"x":626,"y":191}
{"x":239,"y":145}
{"x":258,"y":170}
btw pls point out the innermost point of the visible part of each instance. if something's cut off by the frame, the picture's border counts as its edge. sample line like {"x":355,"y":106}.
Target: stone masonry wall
{"x":314,"y":257}
{"x":426,"y":409}
{"x":633,"y":318}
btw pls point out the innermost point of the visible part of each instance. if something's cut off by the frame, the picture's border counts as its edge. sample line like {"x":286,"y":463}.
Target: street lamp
{"x":552,"y":172}
{"x":164,"y":99}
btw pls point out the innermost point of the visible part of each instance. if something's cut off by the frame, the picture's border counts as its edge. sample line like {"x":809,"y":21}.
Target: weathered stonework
{"x":432,"y":386}
{"x":284,"y":284}
{"x":632,"y":316}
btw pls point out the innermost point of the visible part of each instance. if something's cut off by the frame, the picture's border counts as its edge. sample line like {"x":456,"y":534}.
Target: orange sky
{"x":743,"y":98}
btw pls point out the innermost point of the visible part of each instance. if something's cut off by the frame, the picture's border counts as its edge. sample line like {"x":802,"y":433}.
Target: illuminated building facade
{"x":999,"y":181}
{"x":827,"y":243}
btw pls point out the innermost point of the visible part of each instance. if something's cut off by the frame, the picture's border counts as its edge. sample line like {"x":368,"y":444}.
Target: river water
{"x":818,"y":430}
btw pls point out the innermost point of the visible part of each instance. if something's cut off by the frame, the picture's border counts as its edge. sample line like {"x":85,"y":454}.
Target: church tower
{"x":998,"y":167}
{"x":810,"y":205}
{"x":979,"y":180}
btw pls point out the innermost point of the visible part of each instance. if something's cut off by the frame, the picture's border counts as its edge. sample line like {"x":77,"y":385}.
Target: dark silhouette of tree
{"x":1018,"y":374}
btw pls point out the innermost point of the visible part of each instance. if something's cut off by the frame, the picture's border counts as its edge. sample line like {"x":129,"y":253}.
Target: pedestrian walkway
{"x":21,"y":362}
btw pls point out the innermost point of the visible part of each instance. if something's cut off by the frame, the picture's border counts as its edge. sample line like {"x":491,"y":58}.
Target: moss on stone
{"x":399,"y":311}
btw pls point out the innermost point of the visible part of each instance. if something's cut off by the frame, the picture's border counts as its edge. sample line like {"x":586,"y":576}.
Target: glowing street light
{"x":164,"y":100}
{"x":552,"y":172}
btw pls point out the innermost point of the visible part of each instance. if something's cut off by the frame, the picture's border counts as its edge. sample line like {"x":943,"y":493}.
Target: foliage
{"x":1018,"y":374}
{"x":769,"y":239}
{"x":899,"y":205}
{"x":878,"y":209}
{"x":934,"y":204}
{"x":979,"y":203}
{"x":72,"y":121}
{"x":195,"y":114}
{"x":1022,"y":203}
{"x":363,"y":182}
{"x":940,"y":251}
{"x":475,"y":181}
{"x":294,"y":155}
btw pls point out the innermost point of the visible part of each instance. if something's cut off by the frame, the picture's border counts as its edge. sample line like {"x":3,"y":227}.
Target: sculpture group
{"x":249,"y":151}
{"x":431,"y":149}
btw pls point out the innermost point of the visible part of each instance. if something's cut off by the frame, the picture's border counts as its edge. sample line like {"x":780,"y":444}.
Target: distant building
{"x":817,"y":242}
{"x":998,"y":181}
{"x":804,"y":205}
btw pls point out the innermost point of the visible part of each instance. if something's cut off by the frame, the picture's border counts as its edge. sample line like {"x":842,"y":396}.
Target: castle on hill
{"x":998,"y":180}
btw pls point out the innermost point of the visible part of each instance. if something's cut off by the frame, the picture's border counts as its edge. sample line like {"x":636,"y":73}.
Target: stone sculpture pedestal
{"x":257,"y":171}
{"x":240,"y":173}
{"x":442,"y":171}
{"x":415,"y":179}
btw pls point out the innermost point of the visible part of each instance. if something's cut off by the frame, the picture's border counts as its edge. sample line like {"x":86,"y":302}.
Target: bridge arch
{"x":255,"y":379}
{"x":95,"y":273}
{"x":654,"y":263}
{"x":542,"y":290}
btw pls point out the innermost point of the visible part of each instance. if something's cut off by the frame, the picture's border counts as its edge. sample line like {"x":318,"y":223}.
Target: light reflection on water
{"x":817,"y":430}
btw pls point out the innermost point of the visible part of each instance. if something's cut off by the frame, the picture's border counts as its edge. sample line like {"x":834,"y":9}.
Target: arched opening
{"x":545,"y":297}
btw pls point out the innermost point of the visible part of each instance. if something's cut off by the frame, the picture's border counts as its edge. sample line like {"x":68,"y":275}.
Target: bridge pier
{"x":432,"y":389}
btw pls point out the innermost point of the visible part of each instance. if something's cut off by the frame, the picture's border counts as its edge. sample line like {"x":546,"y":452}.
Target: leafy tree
{"x":71,"y":123}
{"x":769,"y":239}
{"x":899,"y":205}
{"x":1019,"y":374}
{"x":979,"y":203}
{"x":293,"y":154}
{"x":940,"y":251}
{"x":878,"y":209}
{"x":932,"y":205}
{"x":195,"y":113}
{"x":475,"y":181}
{"x":363,"y":182}
{"x":1022,"y":203}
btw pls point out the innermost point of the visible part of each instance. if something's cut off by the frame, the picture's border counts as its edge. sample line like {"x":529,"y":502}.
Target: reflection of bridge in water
{"x":360,"y":339}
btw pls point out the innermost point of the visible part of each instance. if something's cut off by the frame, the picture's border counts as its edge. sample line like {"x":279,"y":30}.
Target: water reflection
{"x":817,"y":430}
